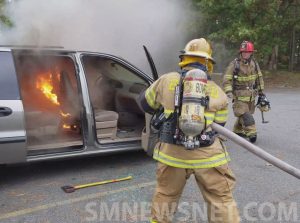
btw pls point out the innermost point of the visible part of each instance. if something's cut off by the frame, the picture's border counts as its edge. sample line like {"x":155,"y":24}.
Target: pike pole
{"x":257,"y":151}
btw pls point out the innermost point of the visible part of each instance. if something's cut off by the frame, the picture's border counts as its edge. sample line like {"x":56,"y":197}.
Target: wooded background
{"x":272,"y":25}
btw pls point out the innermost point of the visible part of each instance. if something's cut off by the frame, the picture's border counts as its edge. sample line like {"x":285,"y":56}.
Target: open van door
{"x":12,"y":131}
{"x":149,"y":136}
{"x":152,"y":65}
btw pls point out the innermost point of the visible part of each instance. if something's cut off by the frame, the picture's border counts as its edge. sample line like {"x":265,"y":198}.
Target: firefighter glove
{"x":229,"y":95}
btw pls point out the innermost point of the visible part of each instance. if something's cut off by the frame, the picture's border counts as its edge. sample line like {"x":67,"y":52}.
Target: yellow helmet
{"x":199,"y":48}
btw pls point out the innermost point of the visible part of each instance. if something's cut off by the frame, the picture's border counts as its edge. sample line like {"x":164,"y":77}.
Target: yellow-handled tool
{"x":70,"y":189}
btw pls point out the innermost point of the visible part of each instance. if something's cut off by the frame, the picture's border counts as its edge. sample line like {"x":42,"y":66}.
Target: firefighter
{"x":242,"y":82}
{"x":178,"y":160}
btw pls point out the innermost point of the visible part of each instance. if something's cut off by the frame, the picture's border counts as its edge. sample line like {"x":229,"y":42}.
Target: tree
{"x":267,"y":23}
{"x":4,"y":20}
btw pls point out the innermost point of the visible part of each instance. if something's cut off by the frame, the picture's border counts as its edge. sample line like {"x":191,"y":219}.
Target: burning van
{"x":56,"y":103}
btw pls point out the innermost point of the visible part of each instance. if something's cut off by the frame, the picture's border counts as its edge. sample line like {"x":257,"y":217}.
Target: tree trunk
{"x":292,"y":50}
{"x":273,"y":58}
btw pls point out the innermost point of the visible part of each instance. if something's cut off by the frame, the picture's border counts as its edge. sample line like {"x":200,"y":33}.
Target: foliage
{"x":267,"y":23}
{"x":4,"y":20}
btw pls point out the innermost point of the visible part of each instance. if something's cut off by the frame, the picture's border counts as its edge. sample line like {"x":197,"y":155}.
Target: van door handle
{"x":5,"y":111}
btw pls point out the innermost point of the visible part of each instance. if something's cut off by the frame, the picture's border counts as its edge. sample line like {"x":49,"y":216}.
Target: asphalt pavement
{"x":32,"y":193}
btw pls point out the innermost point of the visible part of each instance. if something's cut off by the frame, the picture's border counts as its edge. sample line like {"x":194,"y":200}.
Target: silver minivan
{"x":56,"y":103}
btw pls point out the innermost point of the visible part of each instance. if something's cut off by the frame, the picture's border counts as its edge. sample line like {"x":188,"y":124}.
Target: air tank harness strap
{"x":166,"y":136}
{"x":168,"y":129}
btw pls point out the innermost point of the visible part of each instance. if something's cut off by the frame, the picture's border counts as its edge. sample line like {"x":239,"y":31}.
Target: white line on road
{"x":72,"y":201}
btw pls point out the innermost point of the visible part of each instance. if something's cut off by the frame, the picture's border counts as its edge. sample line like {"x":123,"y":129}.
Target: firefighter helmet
{"x":263,"y":103}
{"x":246,"y":46}
{"x":199,"y":48}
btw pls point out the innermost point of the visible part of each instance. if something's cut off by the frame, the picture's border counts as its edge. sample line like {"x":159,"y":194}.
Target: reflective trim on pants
{"x":213,"y":161}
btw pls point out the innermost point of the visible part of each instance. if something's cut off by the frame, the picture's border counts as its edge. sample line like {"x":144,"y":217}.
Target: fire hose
{"x":257,"y":151}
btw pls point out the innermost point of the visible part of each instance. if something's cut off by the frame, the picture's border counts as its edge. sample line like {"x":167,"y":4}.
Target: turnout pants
{"x":245,"y":123}
{"x":216,"y":185}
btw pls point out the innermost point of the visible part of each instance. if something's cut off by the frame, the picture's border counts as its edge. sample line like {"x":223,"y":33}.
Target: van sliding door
{"x":12,"y":132}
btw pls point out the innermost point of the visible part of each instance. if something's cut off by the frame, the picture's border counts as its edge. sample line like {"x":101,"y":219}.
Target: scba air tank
{"x":191,"y":120}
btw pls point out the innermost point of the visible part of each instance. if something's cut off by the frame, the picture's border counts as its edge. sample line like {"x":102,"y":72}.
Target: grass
{"x":282,"y":79}
{"x":277,"y":79}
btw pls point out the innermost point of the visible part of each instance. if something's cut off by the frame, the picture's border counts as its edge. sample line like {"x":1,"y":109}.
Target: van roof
{"x":35,"y":48}
{"x":29,"y":49}
{"x":30,"y":46}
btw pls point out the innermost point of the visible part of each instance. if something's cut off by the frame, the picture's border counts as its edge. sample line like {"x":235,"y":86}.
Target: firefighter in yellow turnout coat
{"x":242,"y":82}
{"x":209,"y":163}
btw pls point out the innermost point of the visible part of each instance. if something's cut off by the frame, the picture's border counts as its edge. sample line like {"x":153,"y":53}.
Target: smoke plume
{"x":116,"y":27}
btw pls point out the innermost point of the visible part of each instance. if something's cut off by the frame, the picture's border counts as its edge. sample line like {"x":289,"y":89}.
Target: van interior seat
{"x":68,"y":96}
{"x":128,"y":101}
{"x":106,"y":124}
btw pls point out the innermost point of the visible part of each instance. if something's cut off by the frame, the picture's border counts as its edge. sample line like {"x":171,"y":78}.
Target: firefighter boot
{"x":238,"y":129}
{"x":248,"y":123}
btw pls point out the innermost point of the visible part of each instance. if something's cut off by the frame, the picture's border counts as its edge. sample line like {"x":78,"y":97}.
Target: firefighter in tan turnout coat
{"x":208,"y":161}
{"x":242,"y":82}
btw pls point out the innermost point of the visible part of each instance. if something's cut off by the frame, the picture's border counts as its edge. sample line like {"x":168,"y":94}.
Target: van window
{"x":107,"y":78}
{"x":9,"y":89}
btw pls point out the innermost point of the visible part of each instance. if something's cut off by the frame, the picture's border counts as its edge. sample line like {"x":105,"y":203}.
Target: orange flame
{"x":46,"y":86}
{"x":66,"y":126}
{"x":65,"y":114}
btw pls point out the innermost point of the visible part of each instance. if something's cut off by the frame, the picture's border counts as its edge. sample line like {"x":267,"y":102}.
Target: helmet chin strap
{"x":246,"y":61}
